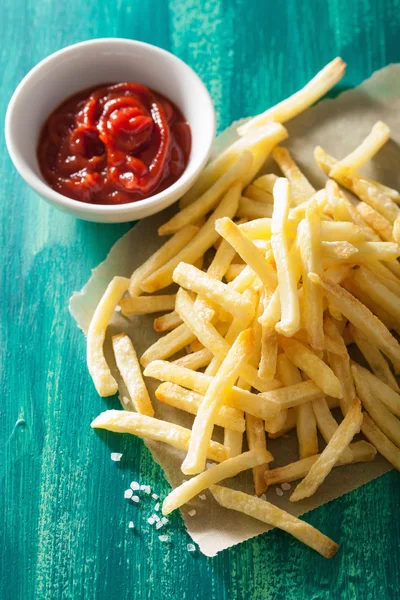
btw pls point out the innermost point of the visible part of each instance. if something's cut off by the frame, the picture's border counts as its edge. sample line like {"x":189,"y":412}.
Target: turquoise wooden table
{"x":65,"y":522}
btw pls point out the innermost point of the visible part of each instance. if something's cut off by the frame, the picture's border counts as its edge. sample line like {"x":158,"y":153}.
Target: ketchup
{"x":114,"y":144}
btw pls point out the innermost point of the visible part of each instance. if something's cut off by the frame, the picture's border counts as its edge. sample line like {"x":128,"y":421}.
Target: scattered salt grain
{"x":154,"y":496}
{"x":118,"y":308}
{"x":279,"y":491}
{"x":263,"y":497}
{"x":134,"y":485}
{"x":116,"y":456}
{"x":164,"y":520}
{"x":286,"y":486}
{"x":203,"y":497}
{"x":156,"y":518}
{"x":163,"y":538}
{"x":128,"y":493}
{"x":125,"y":400}
{"x":146,"y":489}
{"x":157,"y":506}
{"x":150,"y":521}
{"x":209,"y":465}
{"x":142,"y":487}
{"x":135,"y":499}
{"x":131,"y":525}
{"x":159,"y":525}
{"x":191,"y":548}
{"x":191,"y":513}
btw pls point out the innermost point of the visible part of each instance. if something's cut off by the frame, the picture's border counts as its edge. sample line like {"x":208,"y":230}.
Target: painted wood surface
{"x":64,"y":530}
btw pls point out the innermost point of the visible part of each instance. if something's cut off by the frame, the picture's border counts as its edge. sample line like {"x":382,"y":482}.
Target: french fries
{"x":301,"y":187}
{"x":272,"y":515}
{"x":145,"y":305}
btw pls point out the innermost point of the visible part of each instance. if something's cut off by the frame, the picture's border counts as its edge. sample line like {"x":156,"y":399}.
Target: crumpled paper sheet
{"x":338,"y":126}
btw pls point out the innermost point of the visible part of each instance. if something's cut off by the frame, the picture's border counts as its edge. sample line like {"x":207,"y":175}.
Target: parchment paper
{"x":338,"y":126}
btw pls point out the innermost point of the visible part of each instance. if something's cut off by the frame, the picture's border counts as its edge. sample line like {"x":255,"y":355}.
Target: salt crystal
{"x":134,"y":485}
{"x":143,"y":487}
{"x":203,"y":497}
{"x":279,"y":491}
{"x":209,"y":465}
{"x":147,"y":489}
{"x":150,"y":521}
{"x":191,"y":547}
{"x":263,"y":497}
{"x":191,"y":513}
{"x":286,"y":486}
{"x":125,"y":400}
{"x":164,"y":520}
{"x":135,"y":499}
{"x":131,"y":525}
{"x":154,"y":496}
{"x":163,"y":538}
{"x":156,"y":518}
{"x":159,"y":525}
{"x":116,"y":456}
{"x":157,"y":506}
{"x":118,"y":308}
{"x":128,"y":493}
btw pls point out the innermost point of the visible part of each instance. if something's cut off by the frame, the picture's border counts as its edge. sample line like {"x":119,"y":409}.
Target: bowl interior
{"x":107,"y":61}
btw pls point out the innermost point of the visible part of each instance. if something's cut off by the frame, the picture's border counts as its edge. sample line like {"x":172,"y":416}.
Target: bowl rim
{"x":44,"y":190}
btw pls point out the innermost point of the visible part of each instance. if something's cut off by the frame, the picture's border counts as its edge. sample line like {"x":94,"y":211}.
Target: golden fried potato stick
{"x":233,"y":271}
{"x":340,"y":440}
{"x":361,"y":317}
{"x":374,"y":358}
{"x":327,"y":424}
{"x":272,"y":515}
{"x":376,"y":221}
{"x":287,"y":280}
{"x":207,"y":201}
{"x":255,"y":433}
{"x":267,"y":182}
{"x":229,"y":468}
{"x":145,"y":305}
{"x":168,"y":345}
{"x":167,"y":322}
{"x":164,"y":254}
{"x":98,"y":368}
{"x":379,"y":293}
{"x":256,"y":193}
{"x":382,"y":391}
{"x":197,"y":246}
{"x":195,"y":360}
{"x":289,"y":396}
{"x":377,"y":137}
{"x":360,"y":452}
{"x":302,"y":189}
{"x":251,"y":209}
{"x":289,"y":424}
{"x":192,"y":279}
{"x":129,"y":367}
{"x":218,"y":391}
{"x":259,"y":143}
{"x":377,"y":410}
{"x":375,"y":251}
{"x":189,"y":401}
{"x":313,"y":366}
{"x":276,"y":424}
{"x":381,"y":441}
{"x":122,"y":421}
{"x":376,"y":200}
{"x":315,"y":89}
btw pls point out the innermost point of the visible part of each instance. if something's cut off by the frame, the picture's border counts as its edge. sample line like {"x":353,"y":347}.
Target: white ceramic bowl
{"x":102,"y":61}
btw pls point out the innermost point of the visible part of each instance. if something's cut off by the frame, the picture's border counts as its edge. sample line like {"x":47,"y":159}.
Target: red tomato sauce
{"x":114,"y":144}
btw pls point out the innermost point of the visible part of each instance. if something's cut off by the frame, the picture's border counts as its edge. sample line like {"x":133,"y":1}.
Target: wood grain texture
{"x":64,"y":531}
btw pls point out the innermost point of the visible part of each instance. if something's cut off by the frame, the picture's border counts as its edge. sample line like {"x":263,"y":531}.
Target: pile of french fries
{"x":275,"y":280}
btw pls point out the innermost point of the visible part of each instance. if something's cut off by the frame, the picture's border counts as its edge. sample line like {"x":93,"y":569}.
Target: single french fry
{"x":287,"y":280}
{"x":168,"y":345}
{"x":197,"y":246}
{"x":266,"y":137}
{"x":197,"y":281}
{"x":381,"y":442}
{"x":98,"y":368}
{"x":257,"y":229}
{"x":302,"y":189}
{"x":233,"y":271}
{"x":284,"y":371}
{"x":360,"y":452}
{"x":315,"y":89}
{"x":376,"y":221}
{"x":149,"y":428}
{"x":379,"y":293}
{"x":313,"y":366}
{"x":378,"y":136}
{"x":256,"y":440}
{"x":189,"y":401}
{"x":376,"y":200}
{"x":256,"y":193}
{"x":248,"y":251}
{"x":252,"y":209}
{"x":129,"y":367}
{"x":382,"y":391}
{"x":164,"y":254}
{"x":267,"y":182}
{"x":289,"y":424}
{"x":368,"y":251}
{"x":394,"y":267}
{"x":208,"y":200}
{"x":361,"y":317}
{"x":336,"y":251}
{"x":145,"y":305}
{"x":341,"y":231}
{"x":167,"y":322}
{"x":333,"y":342}
{"x":327,"y":424}
{"x":374,"y":358}
{"x":195,"y":360}
{"x":269,"y":353}
{"x":218,"y":390}
{"x":229,"y":468}
{"x":289,"y":396}
{"x":340,"y":440}
{"x":377,"y":410}
{"x":272,"y":515}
